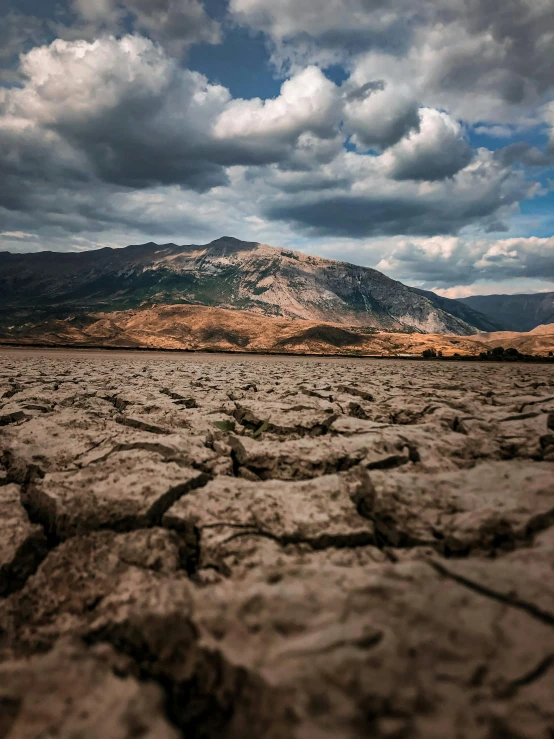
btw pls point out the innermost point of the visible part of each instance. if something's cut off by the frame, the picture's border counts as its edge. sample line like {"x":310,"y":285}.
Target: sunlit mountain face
{"x":410,"y":136}
{"x":227,"y":273}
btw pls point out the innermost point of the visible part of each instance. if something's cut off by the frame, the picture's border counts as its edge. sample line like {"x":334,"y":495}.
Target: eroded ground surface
{"x":221,"y":546}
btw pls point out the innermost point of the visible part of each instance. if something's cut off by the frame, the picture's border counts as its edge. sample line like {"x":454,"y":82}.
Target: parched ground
{"x":289,"y":548}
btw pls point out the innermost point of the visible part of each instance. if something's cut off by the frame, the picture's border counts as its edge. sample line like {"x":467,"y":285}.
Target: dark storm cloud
{"x":525,"y":30}
{"x":353,"y":216}
{"x":521,"y":152}
{"x":363,"y":91}
{"x":433,"y":166}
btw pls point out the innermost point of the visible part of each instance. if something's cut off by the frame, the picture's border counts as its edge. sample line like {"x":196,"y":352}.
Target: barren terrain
{"x":289,"y":548}
{"x":197,"y":328}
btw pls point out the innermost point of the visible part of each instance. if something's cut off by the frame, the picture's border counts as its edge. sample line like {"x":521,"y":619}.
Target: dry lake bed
{"x":221,"y":546}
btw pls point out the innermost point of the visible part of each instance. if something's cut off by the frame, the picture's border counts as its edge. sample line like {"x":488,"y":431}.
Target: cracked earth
{"x":288,"y":548}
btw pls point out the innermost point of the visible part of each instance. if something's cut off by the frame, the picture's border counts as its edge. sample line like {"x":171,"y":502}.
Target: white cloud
{"x":434,"y":152}
{"x":17,"y":235}
{"x":497,"y":132}
{"x":441,"y":262}
{"x":486,"y":287}
{"x":308,"y":103}
{"x":479,"y":61}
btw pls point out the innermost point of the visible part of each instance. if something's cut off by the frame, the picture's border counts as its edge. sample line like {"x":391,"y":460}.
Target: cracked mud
{"x":219,"y":546}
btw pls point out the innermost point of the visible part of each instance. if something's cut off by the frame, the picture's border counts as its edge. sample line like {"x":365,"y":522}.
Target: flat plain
{"x":282,"y":547}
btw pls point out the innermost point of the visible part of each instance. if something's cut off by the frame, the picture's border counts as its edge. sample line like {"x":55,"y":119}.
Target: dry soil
{"x":289,"y":548}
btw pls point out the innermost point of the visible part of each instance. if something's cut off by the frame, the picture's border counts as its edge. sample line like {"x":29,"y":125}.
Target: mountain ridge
{"x":226,"y":273}
{"x":518,"y":312}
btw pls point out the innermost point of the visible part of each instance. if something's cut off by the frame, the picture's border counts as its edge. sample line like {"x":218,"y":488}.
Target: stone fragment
{"x":357,"y":392}
{"x":493,"y":506}
{"x":77,"y":692}
{"x":286,"y":420}
{"x":142,"y":424}
{"x":12,"y":414}
{"x":22,"y":544}
{"x":321,"y":513}
{"x":128,"y":490}
{"x":49,"y":442}
{"x":369,"y":652}
{"x":300,"y":459}
{"x":183,"y":449}
{"x":68,"y":590}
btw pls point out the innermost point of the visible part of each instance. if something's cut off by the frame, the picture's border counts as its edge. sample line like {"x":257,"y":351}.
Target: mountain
{"x":514,"y":312}
{"x":226,"y":273}
{"x":196,"y":328}
{"x":202,"y":328}
{"x":465,"y":312}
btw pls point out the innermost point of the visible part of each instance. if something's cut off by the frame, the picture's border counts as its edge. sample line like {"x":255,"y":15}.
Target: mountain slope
{"x":514,"y":312}
{"x":201,"y":328}
{"x":460,"y":310}
{"x":227,"y":273}
{"x":538,"y":341}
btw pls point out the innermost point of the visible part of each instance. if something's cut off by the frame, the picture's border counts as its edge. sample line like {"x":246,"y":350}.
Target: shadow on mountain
{"x":217,"y":334}
{"x":328,"y":334}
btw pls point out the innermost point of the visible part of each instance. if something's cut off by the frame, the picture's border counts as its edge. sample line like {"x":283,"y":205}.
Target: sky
{"x":413,"y":136}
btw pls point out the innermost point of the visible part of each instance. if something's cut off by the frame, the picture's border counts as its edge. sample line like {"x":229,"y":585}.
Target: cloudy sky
{"x":415,"y":136}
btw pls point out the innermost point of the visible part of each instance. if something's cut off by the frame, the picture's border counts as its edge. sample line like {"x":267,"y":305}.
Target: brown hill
{"x":538,"y":341}
{"x":215,"y":329}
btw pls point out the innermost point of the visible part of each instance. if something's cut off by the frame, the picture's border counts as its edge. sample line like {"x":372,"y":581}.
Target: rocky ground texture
{"x":227,"y":546}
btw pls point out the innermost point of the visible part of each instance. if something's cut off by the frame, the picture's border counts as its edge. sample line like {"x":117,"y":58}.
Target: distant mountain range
{"x":226,"y":273}
{"x":514,"y":312}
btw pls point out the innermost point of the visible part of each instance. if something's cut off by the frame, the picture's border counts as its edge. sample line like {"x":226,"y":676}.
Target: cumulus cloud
{"x":175,"y":23}
{"x":445,"y":261}
{"x":343,"y":24}
{"x":308,"y":103}
{"x":378,"y":115}
{"x":125,"y":106}
{"x":482,"y":194}
{"x":18,"y":31}
{"x":113,"y":138}
{"x":95,"y":118}
{"x":490,"y":61}
{"x":434,"y":152}
{"x":140,"y":119}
